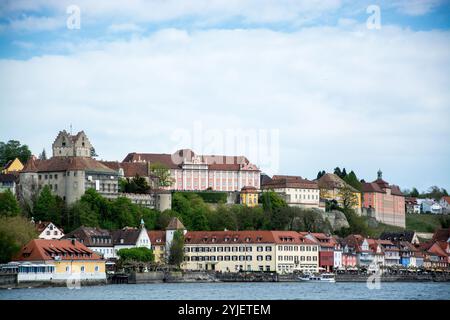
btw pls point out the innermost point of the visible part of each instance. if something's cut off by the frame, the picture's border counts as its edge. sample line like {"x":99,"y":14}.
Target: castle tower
{"x":67,"y":145}
{"x":174,"y":225}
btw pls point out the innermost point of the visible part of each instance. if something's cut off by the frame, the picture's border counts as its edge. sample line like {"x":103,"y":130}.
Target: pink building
{"x":386,"y":202}
{"x":201,"y":172}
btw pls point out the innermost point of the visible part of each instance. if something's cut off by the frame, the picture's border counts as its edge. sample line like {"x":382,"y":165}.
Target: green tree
{"x":272,"y":201}
{"x":9,"y":207}
{"x":320,"y":174}
{"x":352,"y":180}
{"x":162,"y":174}
{"x":176,"y":255}
{"x":414,"y":192}
{"x":138,"y":254}
{"x":124,"y":213}
{"x":13,"y":149}
{"x":14,"y":233}
{"x":93,"y":153}
{"x":47,"y":207}
{"x":348,"y":197}
{"x":82,"y":214}
{"x":137,"y":184}
{"x":43,"y":155}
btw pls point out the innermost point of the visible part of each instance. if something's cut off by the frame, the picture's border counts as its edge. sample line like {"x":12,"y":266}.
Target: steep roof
{"x":44,"y":250}
{"x":66,"y":164}
{"x":446,"y":199}
{"x":441,"y":235}
{"x":333,"y":181}
{"x":130,"y":169}
{"x":127,"y":234}
{"x":157,"y":237}
{"x":175,"y":224}
{"x":379,"y":186}
{"x":41,"y":225}
{"x":91,"y":236}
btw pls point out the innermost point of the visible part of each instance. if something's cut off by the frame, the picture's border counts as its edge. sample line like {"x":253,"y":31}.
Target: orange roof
{"x":157,"y":236}
{"x":41,"y":250}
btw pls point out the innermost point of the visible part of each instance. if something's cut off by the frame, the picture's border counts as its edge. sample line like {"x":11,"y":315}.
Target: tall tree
{"x":352,"y":180}
{"x":337,"y":171}
{"x":93,"y":153}
{"x":43,"y":155}
{"x":47,"y":207}
{"x":348,"y":197}
{"x":272,"y":201}
{"x":320,"y":174}
{"x":176,"y":255}
{"x":13,"y":149}
{"x":162,"y":174}
{"x":9,"y":207}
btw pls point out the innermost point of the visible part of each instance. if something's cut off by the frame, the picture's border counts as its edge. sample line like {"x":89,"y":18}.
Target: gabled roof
{"x":175,"y":224}
{"x":127,"y":234}
{"x":332,"y":181}
{"x":130,"y":169}
{"x":441,"y":235}
{"x":157,"y":237}
{"x":44,"y":250}
{"x":446,"y":199}
{"x":91,"y":236}
{"x":42,"y":225}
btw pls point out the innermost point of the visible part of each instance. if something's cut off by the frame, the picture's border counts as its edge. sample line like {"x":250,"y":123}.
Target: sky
{"x":296,"y":86}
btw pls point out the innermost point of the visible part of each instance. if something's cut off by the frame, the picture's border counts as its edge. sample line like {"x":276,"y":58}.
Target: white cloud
{"x":125,"y":27}
{"x":350,"y":97}
{"x":416,"y":7}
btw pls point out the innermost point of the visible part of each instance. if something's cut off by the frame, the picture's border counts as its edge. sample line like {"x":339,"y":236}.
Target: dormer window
{"x":247,"y":239}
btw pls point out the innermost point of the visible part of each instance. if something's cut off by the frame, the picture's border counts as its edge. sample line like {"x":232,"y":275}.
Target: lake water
{"x":231,"y":291}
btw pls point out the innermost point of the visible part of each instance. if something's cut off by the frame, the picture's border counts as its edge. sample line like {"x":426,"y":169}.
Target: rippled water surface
{"x":226,"y":291}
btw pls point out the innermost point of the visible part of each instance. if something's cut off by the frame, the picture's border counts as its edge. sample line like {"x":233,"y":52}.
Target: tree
{"x":14,"y":233}
{"x":348,"y":197}
{"x":47,"y":207}
{"x":81,"y":214}
{"x":138,"y":254}
{"x":337,"y":171}
{"x":13,"y":149}
{"x":162,"y":174}
{"x":9,"y":207}
{"x":137,"y":184}
{"x":320,"y":174}
{"x":43,"y":155}
{"x":352,"y":180}
{"x":414,"y":192}
{"x":176,"y":255}
{"x":272,"y":201}
{"x":93,"y":153}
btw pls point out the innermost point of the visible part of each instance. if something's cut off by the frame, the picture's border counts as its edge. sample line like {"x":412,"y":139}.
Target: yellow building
{"x":59,"y":260}
{"x":12,"y":166}
{"x":158,"y":242}
{"x":249,"y":196}
{"x":331,"y":187}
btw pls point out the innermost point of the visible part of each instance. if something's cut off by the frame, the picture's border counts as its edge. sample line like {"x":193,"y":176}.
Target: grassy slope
{"x":415,"y":222}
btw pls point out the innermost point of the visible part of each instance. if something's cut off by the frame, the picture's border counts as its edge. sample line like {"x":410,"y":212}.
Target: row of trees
{"x":349,"y":178}
{"x":433,"y":192}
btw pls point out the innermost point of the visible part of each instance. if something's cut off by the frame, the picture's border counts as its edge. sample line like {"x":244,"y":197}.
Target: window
{"x":82,"y":269}
{"x":96,"y":268}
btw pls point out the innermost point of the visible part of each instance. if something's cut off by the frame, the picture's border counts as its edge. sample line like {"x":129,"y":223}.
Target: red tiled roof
{"x":65,"y":164}
{"x":290,"y":183}
{"x":174,"y":161}
{"x":249,"y":189}
{"x":41,"y":250}
{"x":228,"y":237}
{"x":446,"y":199}
{"x":130,"y":169}
{"x":441,"y":235}
{"x":157,"y":236}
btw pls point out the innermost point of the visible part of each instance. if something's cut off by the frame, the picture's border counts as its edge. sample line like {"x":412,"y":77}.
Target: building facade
{"x":59,"y":260}
{"x":47,"y":230}
{"x":296,"y":191}
{"x":193,"y":172}
{"x":69,"y":173}
{"x":385,"y":202}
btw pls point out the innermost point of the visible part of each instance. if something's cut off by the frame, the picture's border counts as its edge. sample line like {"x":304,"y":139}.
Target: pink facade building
{"x":386,"y":202}
{"x":193,"y":172}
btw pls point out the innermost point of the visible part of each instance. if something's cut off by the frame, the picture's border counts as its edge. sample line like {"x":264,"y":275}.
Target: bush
{"x":140,"y":254}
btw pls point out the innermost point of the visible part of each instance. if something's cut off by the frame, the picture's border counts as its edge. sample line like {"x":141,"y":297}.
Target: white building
{"x":445,"y":204}
{"x":201,"y":172}
{"x":48,"y":231}
{"x":296,"y":191}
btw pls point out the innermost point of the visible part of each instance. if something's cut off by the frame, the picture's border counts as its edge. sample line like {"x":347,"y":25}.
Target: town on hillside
{"x":71,"y":214}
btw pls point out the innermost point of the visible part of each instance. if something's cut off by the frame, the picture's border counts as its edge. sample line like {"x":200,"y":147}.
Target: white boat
{"x":324,"y":277}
